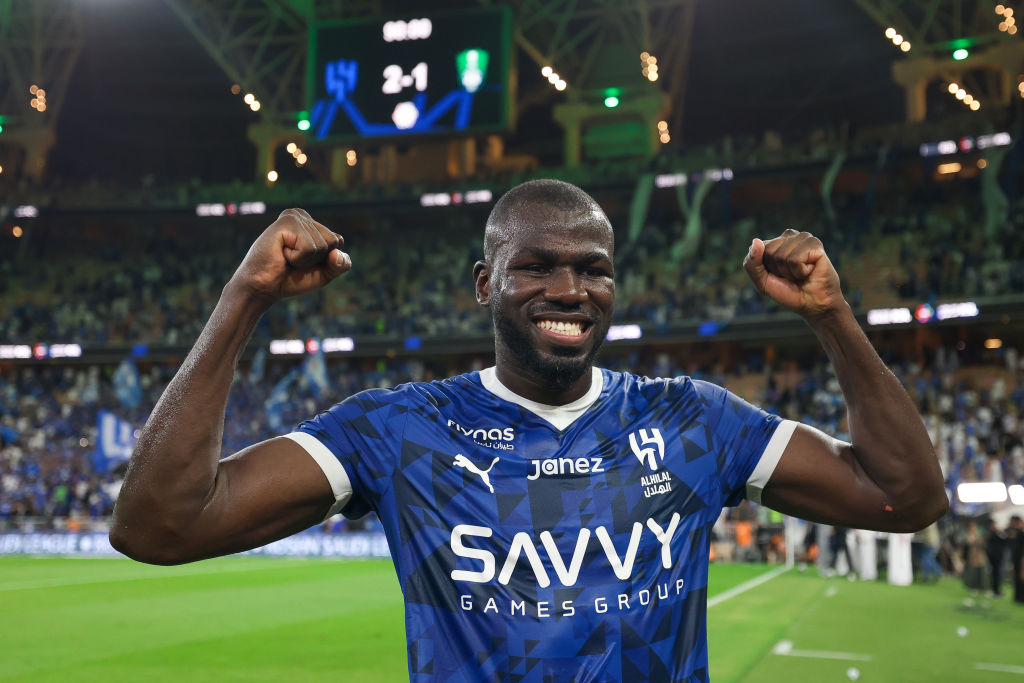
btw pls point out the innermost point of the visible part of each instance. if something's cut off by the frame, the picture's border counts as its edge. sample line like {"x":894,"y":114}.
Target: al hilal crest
{"x":648,"y":447}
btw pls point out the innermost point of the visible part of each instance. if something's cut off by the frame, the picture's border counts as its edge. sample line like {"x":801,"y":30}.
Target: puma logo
{"x":464,"y":462}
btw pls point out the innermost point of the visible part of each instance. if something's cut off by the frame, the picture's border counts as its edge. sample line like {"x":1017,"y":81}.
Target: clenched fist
{"x":294,"y":255}
{"x":794,"y":271}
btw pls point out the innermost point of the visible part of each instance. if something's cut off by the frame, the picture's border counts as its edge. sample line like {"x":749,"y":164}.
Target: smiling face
{"x":549,"y":280}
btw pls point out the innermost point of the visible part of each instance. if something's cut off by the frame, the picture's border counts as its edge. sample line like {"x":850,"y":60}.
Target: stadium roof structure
{"x":143,"y":87}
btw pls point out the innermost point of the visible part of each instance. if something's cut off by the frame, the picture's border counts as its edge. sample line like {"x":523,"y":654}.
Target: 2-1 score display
{"x":436,"y":74}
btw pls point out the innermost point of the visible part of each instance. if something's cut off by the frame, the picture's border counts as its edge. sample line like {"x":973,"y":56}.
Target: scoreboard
{"x":429,"y":73}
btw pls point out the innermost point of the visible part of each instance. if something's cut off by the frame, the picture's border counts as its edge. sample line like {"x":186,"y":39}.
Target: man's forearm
{"x":889,"y":440}
{"x":173,"y":469}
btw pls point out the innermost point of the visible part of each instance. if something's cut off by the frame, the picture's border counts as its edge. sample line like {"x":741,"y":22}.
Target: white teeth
{"x":573,"y":329}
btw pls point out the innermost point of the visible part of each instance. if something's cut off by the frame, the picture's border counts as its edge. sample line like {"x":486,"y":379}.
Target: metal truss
{"x":39,"y":45}
{"x":259,"y":45}
{"x":326,"y":10}
{"x":262,"y":45}
{"x":570,"y":36}
{"x":937,"y":27}
{"x":934,"y":24}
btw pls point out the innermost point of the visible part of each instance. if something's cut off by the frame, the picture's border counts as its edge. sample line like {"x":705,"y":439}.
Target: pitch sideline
{"x":1001,"y":668}
{"x":60,"y":582}
{"x":746,"y":585}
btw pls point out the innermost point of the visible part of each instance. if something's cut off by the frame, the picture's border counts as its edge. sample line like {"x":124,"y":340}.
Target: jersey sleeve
{"x":749,"y":442}
{"x":356,"y":444}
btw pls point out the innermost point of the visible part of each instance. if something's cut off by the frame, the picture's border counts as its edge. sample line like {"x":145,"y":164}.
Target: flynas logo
{"x":465,"y":463}
{"x":649,"y":448}
{"x":500,"y":439}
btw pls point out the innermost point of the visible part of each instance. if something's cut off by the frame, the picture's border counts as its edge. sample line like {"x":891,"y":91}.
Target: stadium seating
{"x":153,"y":277}
{"x":149,"y":273}
{"x":48,"y":432}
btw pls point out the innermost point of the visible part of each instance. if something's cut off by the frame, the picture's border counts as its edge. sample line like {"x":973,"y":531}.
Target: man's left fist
{"x":794,"y":271}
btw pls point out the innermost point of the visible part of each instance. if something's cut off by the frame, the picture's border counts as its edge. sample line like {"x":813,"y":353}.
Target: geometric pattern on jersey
{"x":588,"y":561}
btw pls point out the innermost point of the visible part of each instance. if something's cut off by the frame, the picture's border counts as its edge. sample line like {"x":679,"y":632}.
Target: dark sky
{"x":147,"y":99}
{"x":787,"y":65}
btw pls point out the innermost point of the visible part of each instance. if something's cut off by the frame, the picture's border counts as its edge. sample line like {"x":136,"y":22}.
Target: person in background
{"x":809,"y":546}
{"x":836,"y":545}
{"x":929,"y":539}
{"x":974,"y":565}
{"x":1015,"y":544}
{"x":995,"y":545}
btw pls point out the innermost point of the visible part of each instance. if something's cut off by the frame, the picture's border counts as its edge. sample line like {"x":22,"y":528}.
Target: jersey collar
{"x":559,"y":416}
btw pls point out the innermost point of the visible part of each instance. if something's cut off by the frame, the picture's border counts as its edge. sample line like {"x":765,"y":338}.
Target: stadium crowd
{"x":153,"y":278}
{"x":48,"y":414}
{"x":159,"y":279}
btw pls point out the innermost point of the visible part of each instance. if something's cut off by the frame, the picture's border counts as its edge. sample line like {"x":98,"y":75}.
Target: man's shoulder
{"x":688,"y":392}
{"x":629,"y":382}
{"x":438,"y":393}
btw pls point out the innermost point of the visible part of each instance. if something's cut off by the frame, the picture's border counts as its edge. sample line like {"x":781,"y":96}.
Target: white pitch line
{"x":828,"y":654}
{"x":745,"y":586}
{"x":1002,"y":668}
{"x":785,"y":648}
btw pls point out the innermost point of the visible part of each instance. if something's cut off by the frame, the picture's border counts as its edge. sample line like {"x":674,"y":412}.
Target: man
{"x":1015,"y":544}
{"x":994,"y":547}
{"x":547,"y":519}
{"x":930,"y":542}
{"x":837,"y":544}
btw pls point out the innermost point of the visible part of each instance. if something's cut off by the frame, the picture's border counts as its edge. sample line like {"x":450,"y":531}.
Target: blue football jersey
{"x":540,"y":543}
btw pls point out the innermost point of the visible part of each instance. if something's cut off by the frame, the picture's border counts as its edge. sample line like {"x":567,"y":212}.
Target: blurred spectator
{"x":142,"y":279}
{"x":975,"y":564}
{"x":995,"y":544}
{"x":1015,"y":544}
{"x":929,"y":539}
{"x":836,"y":545}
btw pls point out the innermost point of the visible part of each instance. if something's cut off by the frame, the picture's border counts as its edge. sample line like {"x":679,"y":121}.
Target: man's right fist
{"x":294,"y":255}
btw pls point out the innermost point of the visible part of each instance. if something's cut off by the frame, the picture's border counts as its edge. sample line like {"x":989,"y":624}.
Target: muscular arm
{"x":179,"y":501}
{"x":888,"y":478}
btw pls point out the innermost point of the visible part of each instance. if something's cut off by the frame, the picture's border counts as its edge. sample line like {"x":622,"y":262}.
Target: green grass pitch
{"x":264,"y":619}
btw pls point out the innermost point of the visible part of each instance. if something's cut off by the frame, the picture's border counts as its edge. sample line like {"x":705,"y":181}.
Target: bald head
{"x":549,"y":259}
{"x":521,"y":208}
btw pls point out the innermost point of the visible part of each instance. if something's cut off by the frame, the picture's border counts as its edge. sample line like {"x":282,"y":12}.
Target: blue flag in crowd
{"x":259,"y":361}
{"x":115,"y":443}
{"x":315,"y":371}
{"x":278,"y":398}
{"x":7,"y":435}
{"x":127,"y":385}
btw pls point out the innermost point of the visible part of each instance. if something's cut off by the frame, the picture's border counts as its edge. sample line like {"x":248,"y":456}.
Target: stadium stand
{"x":128,"y":197}
{"x":141,"y":267}
{"x":51,"y":477}
{"x":151,"y":278}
